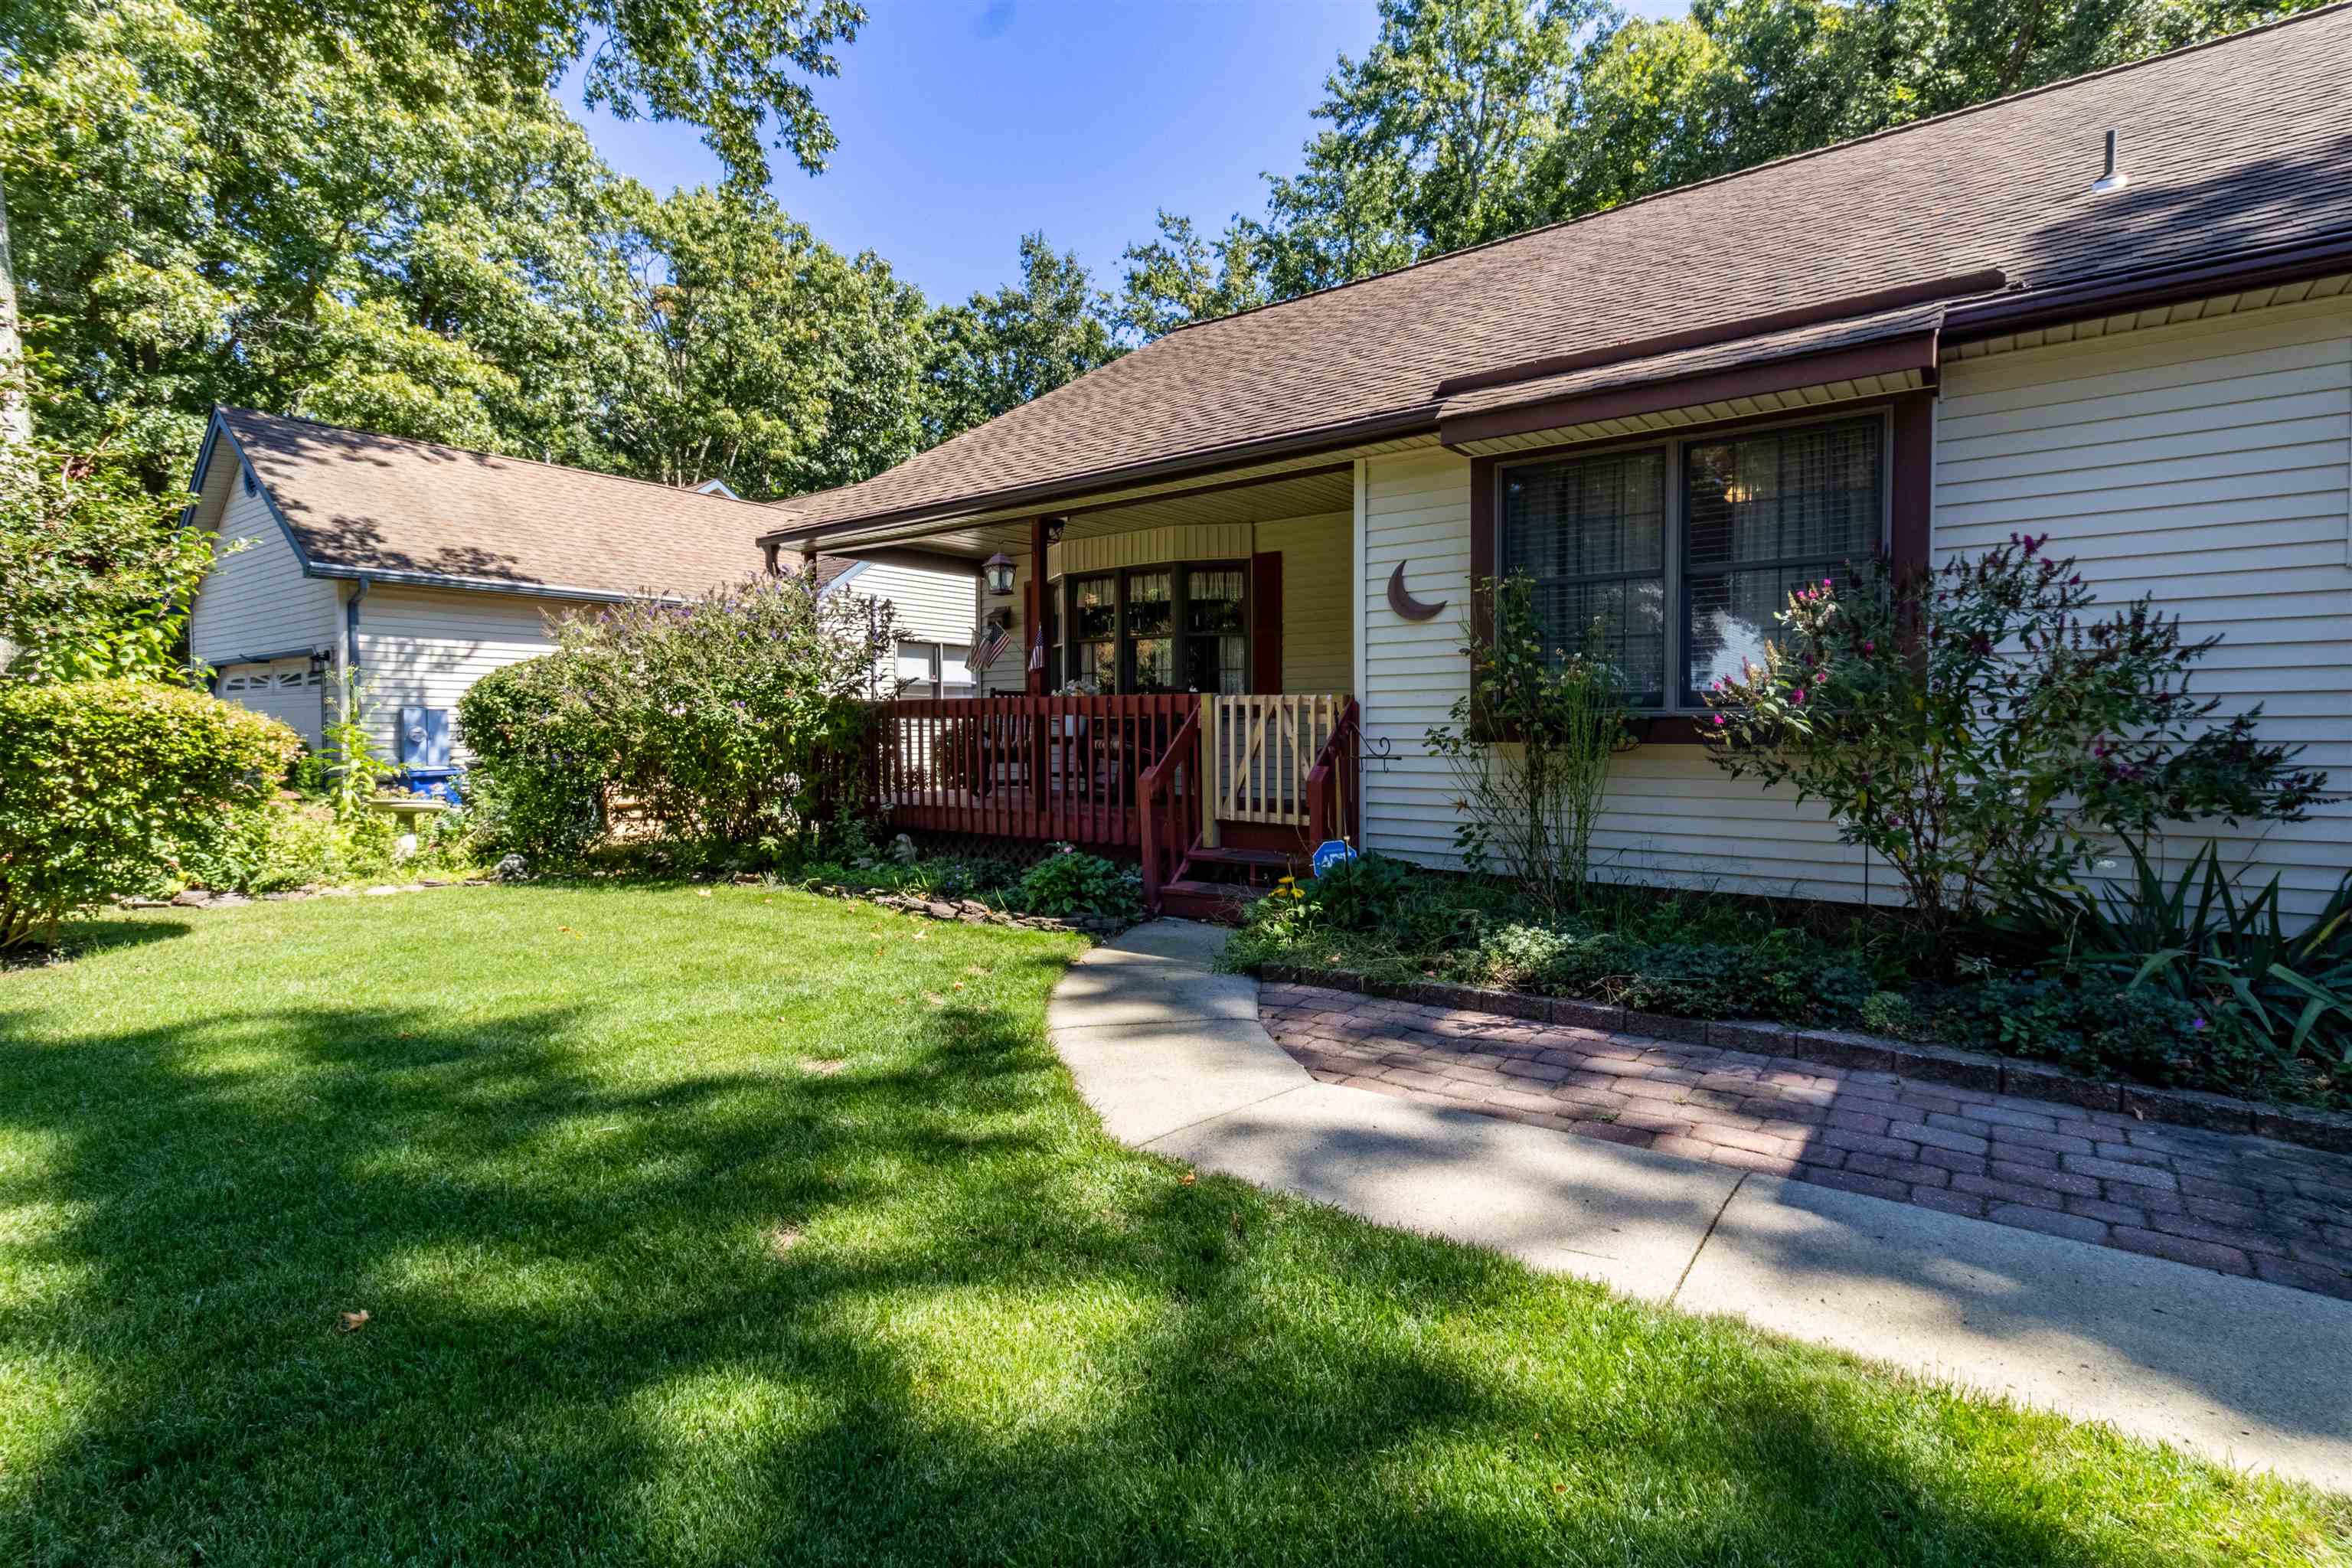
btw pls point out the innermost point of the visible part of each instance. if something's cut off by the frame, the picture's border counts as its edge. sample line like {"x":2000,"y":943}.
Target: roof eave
{"x":2252,"y":269}
{"x":1420,"y":419}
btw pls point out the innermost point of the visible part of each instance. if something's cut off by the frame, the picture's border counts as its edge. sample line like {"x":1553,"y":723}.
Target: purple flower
{"x":1798,"y":695}
{"x":1869,"y":646}
{"x":2196,"y":1023}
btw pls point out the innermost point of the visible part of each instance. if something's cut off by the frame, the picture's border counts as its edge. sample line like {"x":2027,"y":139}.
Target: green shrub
{"x":537,"y":783}
{"x":275,"y":846}
{"x":1071,"y":882}
{"x":2241,"y":962}
{"x":1363,"y":894}
{"x":107,"y":786}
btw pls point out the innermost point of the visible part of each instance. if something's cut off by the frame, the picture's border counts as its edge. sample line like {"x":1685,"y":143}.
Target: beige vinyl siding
{"x":424,"y":646}
{"x":931,"y":607}
{"x":1669,"y":815}
{"x":2209,"y":464}
{"x":255,"y":599}
{"x":1009,"y":676}
{"x":1318,"y":642}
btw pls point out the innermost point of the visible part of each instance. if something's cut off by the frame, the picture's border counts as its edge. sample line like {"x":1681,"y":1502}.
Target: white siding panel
{"x":256,"y":600}
{"x":424,"y":647}
{"x":2211,"y":466}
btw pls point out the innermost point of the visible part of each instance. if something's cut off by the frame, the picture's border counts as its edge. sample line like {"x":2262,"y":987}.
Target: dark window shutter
{"x":1265,"y":622}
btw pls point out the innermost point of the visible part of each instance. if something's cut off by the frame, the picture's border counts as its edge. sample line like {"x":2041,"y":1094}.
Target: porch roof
{"x":2231,"y":147}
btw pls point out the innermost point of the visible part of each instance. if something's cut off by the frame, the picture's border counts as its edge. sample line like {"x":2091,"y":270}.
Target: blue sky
{"x":964,"y":123}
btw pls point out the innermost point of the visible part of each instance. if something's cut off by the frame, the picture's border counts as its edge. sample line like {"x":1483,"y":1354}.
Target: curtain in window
{"x":1591,"y":531}
{"x":1216,"y":645}
{"x":1766,"y":514}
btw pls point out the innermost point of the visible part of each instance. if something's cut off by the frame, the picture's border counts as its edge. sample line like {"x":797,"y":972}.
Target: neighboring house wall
{"x":934,"y":615}
{"x":2210,"y":464}
{"x":424,"y":646}
{"x":256,"y":600}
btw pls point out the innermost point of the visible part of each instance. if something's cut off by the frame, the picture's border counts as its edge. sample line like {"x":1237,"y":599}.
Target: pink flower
{"x":1870,"y":648}
{"x":1718,"y":719}
{"x":1798,"y":695}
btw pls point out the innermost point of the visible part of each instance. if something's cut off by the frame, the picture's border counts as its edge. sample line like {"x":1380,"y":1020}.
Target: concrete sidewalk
{"x":1173,"y":1057}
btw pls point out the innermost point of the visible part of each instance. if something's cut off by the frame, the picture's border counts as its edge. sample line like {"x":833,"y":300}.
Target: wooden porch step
{"x":1218,"y":901}
{"x":1232,"y":854}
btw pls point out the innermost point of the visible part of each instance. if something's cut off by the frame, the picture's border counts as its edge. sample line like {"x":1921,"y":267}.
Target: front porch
{"x":1190,"y":783}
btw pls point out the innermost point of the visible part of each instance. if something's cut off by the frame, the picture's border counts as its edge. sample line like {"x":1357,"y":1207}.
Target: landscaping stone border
{"x":2313,"y":1129}
{"x":971,"y":912}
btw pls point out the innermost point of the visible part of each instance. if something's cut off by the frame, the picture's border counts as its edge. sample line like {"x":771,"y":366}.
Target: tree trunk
{"x":16,"y":406}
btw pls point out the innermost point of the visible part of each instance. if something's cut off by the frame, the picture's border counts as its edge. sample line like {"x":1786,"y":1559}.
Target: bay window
{"x":1178,"y":628}
{"x":1672,"y":558}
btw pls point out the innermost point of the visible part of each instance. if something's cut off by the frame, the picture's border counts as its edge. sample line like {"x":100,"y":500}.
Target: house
{"x":423,"y":568}
{"x":2114,"y":309}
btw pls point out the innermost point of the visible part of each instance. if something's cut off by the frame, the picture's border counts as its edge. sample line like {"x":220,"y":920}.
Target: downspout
{"x":352,"y":645}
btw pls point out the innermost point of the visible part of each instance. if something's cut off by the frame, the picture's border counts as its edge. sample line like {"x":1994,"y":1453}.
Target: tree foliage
{"x":95,"y":580}
{"x":999,"y":351}
{"x":758,"y":356}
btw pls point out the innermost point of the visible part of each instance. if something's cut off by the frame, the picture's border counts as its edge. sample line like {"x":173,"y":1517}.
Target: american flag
{"x":988,"y":644}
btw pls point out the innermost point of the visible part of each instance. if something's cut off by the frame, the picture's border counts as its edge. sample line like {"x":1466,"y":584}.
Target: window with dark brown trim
{"x":1718,"y":528}
{"x":1175,"y":628}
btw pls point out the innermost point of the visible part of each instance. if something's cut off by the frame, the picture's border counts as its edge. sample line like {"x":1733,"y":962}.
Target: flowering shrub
{"x":733,"y":718}
{"x":1986,"y":733}
{"x":105,"y":785}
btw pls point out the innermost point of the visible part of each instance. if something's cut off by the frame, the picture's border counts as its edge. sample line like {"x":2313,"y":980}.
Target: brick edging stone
{"x":2326,"y":1129}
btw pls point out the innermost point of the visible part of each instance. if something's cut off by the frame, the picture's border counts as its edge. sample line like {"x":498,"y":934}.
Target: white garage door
{"x":287,"y":690}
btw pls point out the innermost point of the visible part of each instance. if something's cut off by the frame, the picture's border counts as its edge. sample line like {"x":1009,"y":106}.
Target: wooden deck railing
{"x":1334,"y":785}
{"x":1169,"y":811}
{"x":1023,"y":767}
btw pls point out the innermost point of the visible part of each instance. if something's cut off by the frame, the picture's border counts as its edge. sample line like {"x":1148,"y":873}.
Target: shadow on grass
{"x":88,"y":939}
{"x":916,"y":1309}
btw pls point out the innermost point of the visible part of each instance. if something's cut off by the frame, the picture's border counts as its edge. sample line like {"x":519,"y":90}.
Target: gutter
{"x":2248,"y":269}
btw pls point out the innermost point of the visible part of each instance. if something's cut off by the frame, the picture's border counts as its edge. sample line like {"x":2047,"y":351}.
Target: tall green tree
{"x":998,"y":350}
{"x":1180,"y":277}
{"x":757,"y":355}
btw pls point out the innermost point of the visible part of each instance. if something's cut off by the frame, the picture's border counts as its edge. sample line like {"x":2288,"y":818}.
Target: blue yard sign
{"x":1330,"y":852}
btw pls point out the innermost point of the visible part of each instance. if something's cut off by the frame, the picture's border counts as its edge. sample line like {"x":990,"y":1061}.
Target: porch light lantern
{"x":997,"y":571}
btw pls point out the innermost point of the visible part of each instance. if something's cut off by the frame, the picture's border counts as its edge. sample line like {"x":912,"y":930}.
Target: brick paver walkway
{"x":2221,"y":1201}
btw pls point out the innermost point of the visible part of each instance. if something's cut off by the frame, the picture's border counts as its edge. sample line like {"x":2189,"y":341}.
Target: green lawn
{"x":707,"y":1229}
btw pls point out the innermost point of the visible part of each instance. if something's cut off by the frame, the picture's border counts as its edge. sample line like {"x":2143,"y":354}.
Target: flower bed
{"x":1674,"y":964}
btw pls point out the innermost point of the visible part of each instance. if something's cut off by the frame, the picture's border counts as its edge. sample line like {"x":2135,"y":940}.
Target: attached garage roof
{"x":357,"y":504}
{"x":2232,"y":146}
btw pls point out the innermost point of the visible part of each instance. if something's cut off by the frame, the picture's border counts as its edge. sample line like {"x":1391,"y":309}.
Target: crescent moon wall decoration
{"x":1404,"y":603}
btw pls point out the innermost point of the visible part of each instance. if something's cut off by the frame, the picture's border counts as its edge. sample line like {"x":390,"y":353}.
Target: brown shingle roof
{"x":2243,"y":143}
{"x":357,"y":502}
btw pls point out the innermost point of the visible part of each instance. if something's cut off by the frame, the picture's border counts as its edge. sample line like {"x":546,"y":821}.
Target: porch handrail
{"x":1169,"y":816}
{"x":1332,"y":792}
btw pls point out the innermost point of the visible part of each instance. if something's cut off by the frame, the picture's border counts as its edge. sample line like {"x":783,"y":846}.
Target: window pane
{"x":1768,"y":513}
{"x":1213,"y":601}
{"x":1786,"y":495}
{"x":1591,"y":533}
{"x":1150,"y":621}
